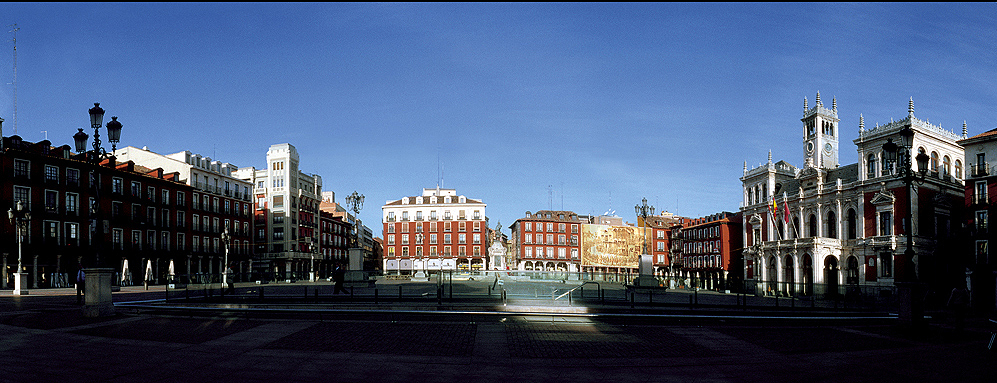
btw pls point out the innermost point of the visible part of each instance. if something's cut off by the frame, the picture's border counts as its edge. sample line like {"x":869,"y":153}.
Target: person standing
{"x":81,"y":285}
{"x":338,"y":276}
{"x":229,"y":280}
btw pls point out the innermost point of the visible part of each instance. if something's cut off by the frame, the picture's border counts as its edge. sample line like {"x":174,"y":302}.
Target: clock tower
{"x":820,"y":134}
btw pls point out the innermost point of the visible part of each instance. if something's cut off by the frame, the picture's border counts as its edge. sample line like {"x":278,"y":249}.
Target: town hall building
{"x":835,"y":230}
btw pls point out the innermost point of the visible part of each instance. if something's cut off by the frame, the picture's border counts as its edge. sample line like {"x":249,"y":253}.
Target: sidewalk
{"x":44,"y":337}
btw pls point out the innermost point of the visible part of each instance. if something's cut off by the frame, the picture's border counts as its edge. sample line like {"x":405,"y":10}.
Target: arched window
{"x":958,"y":169}
{"x":946,"y":166}
{"x":871,"y":166}
{"x":852,"y":224}
{"x":813,"y":226}
{"x":934,"y":162}
{"x":832,"y":225}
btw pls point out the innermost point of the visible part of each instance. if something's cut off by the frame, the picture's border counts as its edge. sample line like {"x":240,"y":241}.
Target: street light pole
{"x":911,"y":311}
{"x":644,"y":274}
{"x":94,"y":157}
{"x":20,"y":219}
{"x":226,"y":238}
{"x":355,"y":203}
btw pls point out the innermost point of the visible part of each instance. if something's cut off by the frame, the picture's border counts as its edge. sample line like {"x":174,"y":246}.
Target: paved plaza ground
{"x":44,"y":337}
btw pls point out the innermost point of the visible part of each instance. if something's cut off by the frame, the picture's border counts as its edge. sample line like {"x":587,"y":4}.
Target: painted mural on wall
{"x":611,"y":246}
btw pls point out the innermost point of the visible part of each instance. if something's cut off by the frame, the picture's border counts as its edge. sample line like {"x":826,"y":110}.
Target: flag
{"x":786,"y":206}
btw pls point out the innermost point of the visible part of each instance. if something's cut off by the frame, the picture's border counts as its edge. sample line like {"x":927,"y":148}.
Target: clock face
{"x":810,"y":147}
{"x":827,"y":147}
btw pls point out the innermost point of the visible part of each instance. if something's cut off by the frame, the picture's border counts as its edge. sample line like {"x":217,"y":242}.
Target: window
{"x":51,"y":174}
{"x":934,"y":162}
{"x":852,"y":224}
{"x":528,"y":226}
{"x":527,"y":252}
{"x":117,"y":238}
{"x":982,"y":258}
{"x":886,"y":264}
{"x":117,"y":185}
{"x":885,"y":223}
{"x":72,"y":177}
{"x":981,"y":222}
{"x":462,"y":238}
{"x":958,"y":169}
{"x":870,"y":163}
{"x":832,"y":225}
{"x":72,"y":203}
{"x":136,"y":189}
{"x":22,"y":168}
{"x":477,"y":238}
{"x":432,"y":238}
{"x":946,"y":166}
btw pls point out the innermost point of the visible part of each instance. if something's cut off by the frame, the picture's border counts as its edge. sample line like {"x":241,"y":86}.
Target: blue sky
{"x":585,"y":107}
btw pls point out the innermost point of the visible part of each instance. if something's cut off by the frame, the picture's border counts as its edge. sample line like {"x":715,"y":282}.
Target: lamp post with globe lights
{"x":20,"y":217}
{"x":911,"y":310}
{"x":94,"y":157}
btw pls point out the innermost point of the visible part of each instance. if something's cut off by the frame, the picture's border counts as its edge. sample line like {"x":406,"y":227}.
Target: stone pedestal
{"x":646,"y":272}
{"x":354,"y":271}
{"x":20,"y":284}
{"x":97,"y":296}
{"x":910,"y":299}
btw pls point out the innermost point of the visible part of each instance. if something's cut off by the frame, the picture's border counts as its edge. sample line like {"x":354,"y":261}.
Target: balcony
{"x":981,"y":199}
{"x":979,"y":170}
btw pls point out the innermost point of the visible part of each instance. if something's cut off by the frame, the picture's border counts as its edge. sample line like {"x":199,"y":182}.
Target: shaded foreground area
{"x":44,"y":337}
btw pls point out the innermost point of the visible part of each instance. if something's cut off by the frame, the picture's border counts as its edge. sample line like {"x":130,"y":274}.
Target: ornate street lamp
{"x":644,"y":211}
{"x":906,"y":275}
{"x":20,"y":218}
{"x":95,"y":156}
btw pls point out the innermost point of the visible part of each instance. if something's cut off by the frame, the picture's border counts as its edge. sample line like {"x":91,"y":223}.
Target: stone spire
{"x":964,"y":131}
{"x":805,"y":107}
{"x":745,"y":167}
{"x":834,"y":103}
{"x":910,"y":107}
{"x":770,"y":156}
{"x":817,"y":100}
{"x":861,"y":123}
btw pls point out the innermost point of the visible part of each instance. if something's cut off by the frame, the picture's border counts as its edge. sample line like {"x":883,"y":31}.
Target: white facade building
{"x":837,"y":230}
{"x":287,"y":219}
{"x":220,"y":200}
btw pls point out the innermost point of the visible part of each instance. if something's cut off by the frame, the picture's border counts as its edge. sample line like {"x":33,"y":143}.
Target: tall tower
{"x":820,"y":134}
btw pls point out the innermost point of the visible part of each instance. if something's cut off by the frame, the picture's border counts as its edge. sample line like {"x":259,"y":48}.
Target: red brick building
{"x":547,"y":240}
{"x":144,"y":216}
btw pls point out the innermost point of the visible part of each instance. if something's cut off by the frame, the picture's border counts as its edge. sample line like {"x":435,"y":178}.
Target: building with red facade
{"x":981,"y":184}
{"x":146,"y":217}
{"x":547,"y":240}
{"x":438,"y":230}
{"x":709,"y":253}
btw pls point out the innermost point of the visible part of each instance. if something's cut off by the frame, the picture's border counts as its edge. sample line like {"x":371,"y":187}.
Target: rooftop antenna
{"x":550,"y":198}
{"x":46,"y":134}
{"x":14,"y":31}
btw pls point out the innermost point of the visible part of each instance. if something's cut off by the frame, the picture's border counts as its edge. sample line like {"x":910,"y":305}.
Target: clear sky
{"x":585,"y":107}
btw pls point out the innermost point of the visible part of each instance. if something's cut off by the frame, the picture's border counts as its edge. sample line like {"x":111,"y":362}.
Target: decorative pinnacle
{"x":910,"y":107}
{"x":834,"y":103}
{"x":861,"y":123}
{"x":817,"y":101}
{"x":805,"y":108}
{"x":770,"y":156}
{"x":964,"y":132}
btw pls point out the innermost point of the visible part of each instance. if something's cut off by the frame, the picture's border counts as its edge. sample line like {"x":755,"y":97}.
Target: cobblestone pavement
{"x":44,"y":337}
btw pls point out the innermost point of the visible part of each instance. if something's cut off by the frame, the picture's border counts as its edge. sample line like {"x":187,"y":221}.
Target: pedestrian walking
{"x":81,"y":285}
{"x":229,"y":280}
{"x":338,"y":276}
